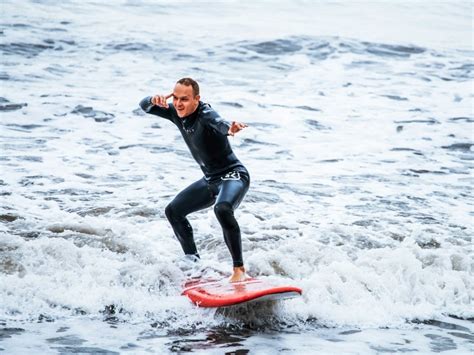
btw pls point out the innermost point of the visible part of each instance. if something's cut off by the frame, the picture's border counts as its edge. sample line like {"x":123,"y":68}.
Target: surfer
{"x":225,"y":180}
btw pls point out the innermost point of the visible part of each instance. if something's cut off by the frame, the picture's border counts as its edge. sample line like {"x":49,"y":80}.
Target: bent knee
{"x":170,"y":212}
{"x":223,"y":209}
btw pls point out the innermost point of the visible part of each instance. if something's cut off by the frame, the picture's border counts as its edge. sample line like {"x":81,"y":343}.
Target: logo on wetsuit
{"x":233,"y":175}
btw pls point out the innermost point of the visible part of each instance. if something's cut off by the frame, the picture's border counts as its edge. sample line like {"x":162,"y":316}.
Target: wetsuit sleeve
{"x":216,"y":122}
{"x":148,"y":107}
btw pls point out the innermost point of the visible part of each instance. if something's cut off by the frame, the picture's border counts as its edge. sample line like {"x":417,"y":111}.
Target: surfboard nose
{"x":223,"y":293}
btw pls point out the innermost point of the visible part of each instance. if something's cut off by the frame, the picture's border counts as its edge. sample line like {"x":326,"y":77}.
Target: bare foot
{"x":238,"y":274}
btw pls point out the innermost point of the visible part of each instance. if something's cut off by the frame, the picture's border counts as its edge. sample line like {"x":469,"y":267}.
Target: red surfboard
{"x":205,"y":293}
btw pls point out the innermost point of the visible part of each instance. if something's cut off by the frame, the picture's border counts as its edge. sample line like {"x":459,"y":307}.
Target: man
{"x":225,"y":180}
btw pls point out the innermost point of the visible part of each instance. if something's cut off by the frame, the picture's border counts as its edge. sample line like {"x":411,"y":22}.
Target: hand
{"x":236,"y":127}
{"x":160,"y":100}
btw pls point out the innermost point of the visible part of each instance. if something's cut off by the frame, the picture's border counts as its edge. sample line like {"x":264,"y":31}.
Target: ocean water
{"x":359,"y":145}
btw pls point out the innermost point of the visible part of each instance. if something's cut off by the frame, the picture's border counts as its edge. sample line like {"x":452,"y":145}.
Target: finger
{"x":165,"y":98}
{"x":165,"y":103}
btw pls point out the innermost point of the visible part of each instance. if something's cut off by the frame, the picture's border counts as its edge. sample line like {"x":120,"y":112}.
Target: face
{"x":184,"y":100}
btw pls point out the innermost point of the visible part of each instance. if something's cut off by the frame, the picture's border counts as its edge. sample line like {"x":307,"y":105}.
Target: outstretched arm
{"x":157,"y":105}
{"x":219,"y":124}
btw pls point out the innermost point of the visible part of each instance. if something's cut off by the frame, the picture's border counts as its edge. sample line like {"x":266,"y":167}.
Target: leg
{"x":195,"y":197}
{"x":231,"y":193}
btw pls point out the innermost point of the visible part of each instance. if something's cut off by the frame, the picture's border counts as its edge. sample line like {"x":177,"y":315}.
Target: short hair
{"x":190,"y":82}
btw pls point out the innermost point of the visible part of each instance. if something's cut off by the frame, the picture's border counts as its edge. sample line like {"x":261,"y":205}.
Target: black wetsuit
{"x":225,"y":180}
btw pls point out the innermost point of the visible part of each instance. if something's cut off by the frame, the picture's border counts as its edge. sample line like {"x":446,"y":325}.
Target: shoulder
{"x":209,"y":117}
{"x":172,"y":109}
{"x":205,"y":108}
{"x":173,"y":113}
{"x":206,"y":111}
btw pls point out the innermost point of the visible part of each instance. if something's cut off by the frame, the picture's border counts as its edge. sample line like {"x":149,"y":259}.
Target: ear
{"x":198,"y":97}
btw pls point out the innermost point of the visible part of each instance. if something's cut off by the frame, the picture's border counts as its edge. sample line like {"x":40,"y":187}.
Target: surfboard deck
{"x":222,"y":293}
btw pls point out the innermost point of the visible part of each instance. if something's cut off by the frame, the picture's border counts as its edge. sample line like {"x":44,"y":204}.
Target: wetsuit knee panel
{"x":223,"y":210}
{"x":169,"y":212}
